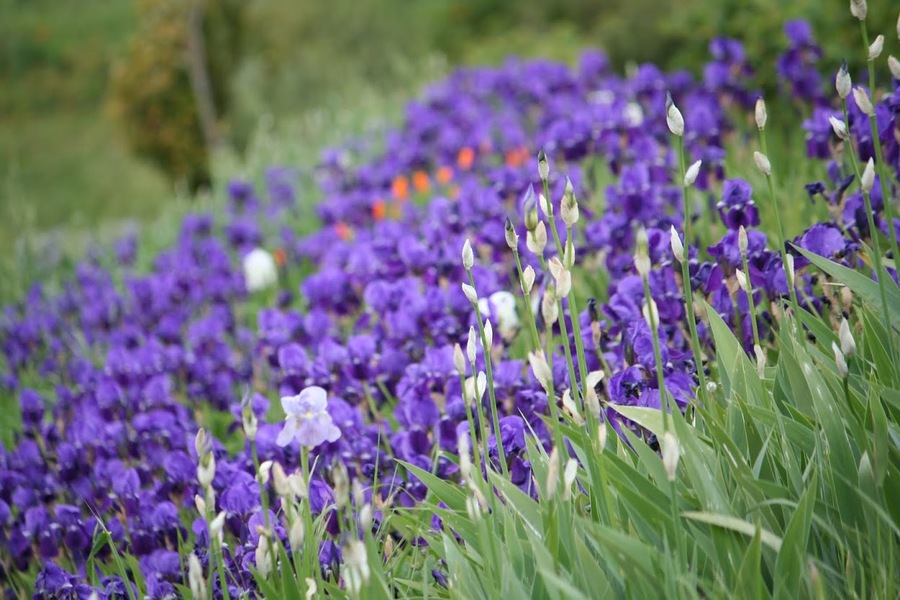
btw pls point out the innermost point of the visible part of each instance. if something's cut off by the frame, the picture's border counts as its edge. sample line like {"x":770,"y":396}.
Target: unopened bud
{"x":848,"y":344}
{"x":549,"y":309}
{"x":470,"y":293}
{"x":760,"y":360}
{"x":488,"y":335}
{"x":472,"y":345}
{"x":263,"y":556}
{"x":553,"y":472}
{"x":569,"y":474}
{"x":196,"y":581}
{"x":206,"y":470}
{"x":674,"y":118}
{"x":569,"y":206}
{"x":571,"y":408}
{"x":651,"y":313}
{"x":543,"y":166}
{"x":531,"y":214}
{"x":868,"y":177}
{"x":862,"y":101}
{"x":859,"y":8}
{"x":296,"y":534}
{"x":265,"y":468}
{"x":894,"y":66}
{"x":341,"y":484}
{"x":742,"y":281}
{"x":842,"y":82}
{"x":527,"y":279}
{"x":536,"y":240}
{"x":468,"y":257}
{"x":690,"y":176}
{"x":541,"y":369}
{"x":876,"y":47}
{"x":512,"y":238}
{"x":762,"y":163}
{"x":760,"y":113}
{"x":569,"y":254}
{"x":677,"y":246}
{"x":602,"y":434}
{"x":561,"y":276}
{"x":365,"y":517}
{"x":465,"y":463}
{"x":200,"y":504}
{"x":473,"y":509}
{"x":839,"y":128}
{"x":789,"y":259}
{"x":545,"y":205}
{"x":280,"y":480}
{"x":671,"y":453}
{"x":459,"y":360}
{"x":743,"y":241}
{"x":216,"y":526}
{"x":840,"y":361}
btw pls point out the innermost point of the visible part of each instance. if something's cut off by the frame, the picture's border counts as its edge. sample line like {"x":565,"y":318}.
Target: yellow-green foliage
{"x":150,"y":91}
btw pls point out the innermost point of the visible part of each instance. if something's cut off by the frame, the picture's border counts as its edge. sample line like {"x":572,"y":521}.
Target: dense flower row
{"x":134,"y":359}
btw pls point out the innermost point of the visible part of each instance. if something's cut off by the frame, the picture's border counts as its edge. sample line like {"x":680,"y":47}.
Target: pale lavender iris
{"x":307,"y":420}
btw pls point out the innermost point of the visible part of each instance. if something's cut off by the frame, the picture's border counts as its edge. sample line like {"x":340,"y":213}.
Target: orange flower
{"x":465,"y":158}
{"x":444,"y":175}
{"x":379,"y":210}
{"x":517,"y":156}
{"x":280,"y":257}
{"x":344,"y":231}
{"x":420,"y":181}
{"x":400,"y":187}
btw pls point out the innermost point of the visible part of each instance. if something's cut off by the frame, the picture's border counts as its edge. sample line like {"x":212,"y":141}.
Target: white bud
{"x":470,"y":293}
{"x":848,"y":344}
{"x":341,"y":484}
{"x":543,"y":166}
{"x":471,"y":345}
{"x":468,"y":257}
{"x":459,"y":360}
{"x":195,"y":578}
{"x":760,"y":359}
{"x":561,"y":276}
{"x":674,"y":118}
{"x":263,"y":556}
{"x":862,"y":101}
{"x":762,"y":163}
{"x":859,"y":8}
{"x":365,"y":517}
{"x":876,"y":47}
{"x":789,"y":259}
{"x":488,"y":335}
{"x":465,"y":463}
{"x":202,"y":443}
{"x":671,"y":453}
{"x":94,"y":596}
{"x":867,"y":180}
{"x":280,"y":480}
{"x":216,"y":526}
{"x":541,"y":369}
{"x":527,"y":279}
{"x":571,"y":408}
{"x":569,"y":209}
{"x":842,"y":82}
{"x":760,"y":113}
{"x":553,"y":472}
{"x":512,"y":238}
{"x":742,"y":281}
{"x":296,"y":534}
{"x":894,"y":66}
{"x":250,"y":424}
{"x":311,"y":588}
{"x":651,"y":313}
{"x":677,"y":246}
{"x":476,"y":386}
{"x":743,"y":241}
{"x":602,"y":434}
{"x":549,"y":309}
{"x":545,"y":205}
{"x":642,"y":263}
{"x":569,"y":474}
{"x":200,"y":504}
{"x":206,"y":470}
{"x":536,"y":239}
{"x":840,"y":361}
{"x":690,"y":176}
{"x":839,"y":128}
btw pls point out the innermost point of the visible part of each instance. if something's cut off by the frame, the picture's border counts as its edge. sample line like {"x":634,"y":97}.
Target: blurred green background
{"x":98,"y":121}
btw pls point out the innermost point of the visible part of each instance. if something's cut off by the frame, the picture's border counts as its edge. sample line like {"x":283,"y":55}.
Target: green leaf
{"x":735,"y":524}
{"x":861,"y":285}
{"x":749,"y":577}
{"x":791,"y":563}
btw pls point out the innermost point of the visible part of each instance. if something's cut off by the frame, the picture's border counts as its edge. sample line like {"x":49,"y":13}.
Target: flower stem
{"x":657,"y":357}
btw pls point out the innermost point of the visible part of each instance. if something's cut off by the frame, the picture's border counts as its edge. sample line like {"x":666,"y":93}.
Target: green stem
{"x":752,"y":304}
{"x":495,"y":418}
{"x":657,"y":356}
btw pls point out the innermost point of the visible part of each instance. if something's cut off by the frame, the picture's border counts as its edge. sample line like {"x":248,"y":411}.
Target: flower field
{"x":562,"y":333}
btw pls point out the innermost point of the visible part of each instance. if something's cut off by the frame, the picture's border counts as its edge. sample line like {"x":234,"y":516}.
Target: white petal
{"x":286,"y":435}
{"x":315,"y":397}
